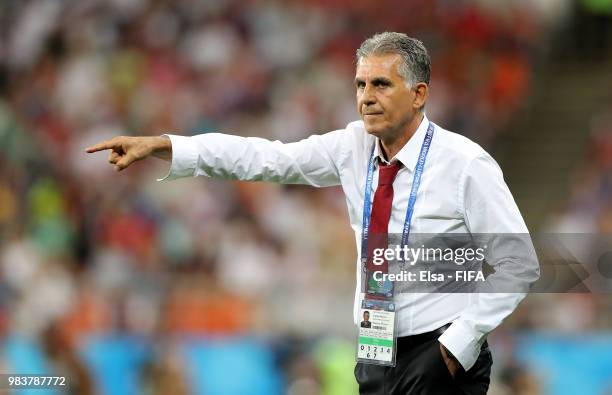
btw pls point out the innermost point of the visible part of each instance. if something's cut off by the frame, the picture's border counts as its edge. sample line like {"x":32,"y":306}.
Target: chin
{"x":374,"y":130}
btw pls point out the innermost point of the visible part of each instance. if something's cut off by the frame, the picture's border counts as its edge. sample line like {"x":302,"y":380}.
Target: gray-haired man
{"x":392,"y":163}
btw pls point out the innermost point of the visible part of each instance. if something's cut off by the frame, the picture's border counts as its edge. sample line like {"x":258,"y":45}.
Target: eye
{"x":360,"y":85}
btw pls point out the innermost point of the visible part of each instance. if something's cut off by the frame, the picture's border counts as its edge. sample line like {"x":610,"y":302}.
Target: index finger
{"x":104,"y":145}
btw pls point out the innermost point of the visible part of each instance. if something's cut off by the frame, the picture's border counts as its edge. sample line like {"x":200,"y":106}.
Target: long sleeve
{"x":311,"y":161}
{"x":491,"y":213}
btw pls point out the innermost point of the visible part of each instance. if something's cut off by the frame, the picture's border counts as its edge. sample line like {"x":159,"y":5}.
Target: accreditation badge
{"x":377,"y":335}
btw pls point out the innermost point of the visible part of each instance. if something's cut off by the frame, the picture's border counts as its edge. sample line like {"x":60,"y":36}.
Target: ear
{"x":421,"y":90}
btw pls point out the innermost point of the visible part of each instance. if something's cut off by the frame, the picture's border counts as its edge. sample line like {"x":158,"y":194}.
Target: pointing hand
{"x":127,"y":150}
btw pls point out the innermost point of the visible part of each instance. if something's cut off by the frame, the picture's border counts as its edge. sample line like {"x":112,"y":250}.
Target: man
{"x":450,"y":185}
{"x":366,"y":320}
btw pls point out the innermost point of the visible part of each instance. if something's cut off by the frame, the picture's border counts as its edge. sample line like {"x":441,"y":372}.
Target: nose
{"x":367,"y":97}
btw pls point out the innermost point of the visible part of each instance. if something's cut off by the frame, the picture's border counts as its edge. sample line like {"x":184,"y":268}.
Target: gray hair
{"x":415,"y":66}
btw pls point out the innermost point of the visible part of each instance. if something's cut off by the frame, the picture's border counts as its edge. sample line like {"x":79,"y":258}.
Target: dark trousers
{"x":420,"y":369}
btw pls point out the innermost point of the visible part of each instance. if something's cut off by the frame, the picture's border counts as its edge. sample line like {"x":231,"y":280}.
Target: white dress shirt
{"x":462,"y":191}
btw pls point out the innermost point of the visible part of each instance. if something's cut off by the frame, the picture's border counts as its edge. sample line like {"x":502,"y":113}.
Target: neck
{"x":392,"y":145}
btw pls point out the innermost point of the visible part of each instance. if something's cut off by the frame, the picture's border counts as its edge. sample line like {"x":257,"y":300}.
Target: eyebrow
{"x":375,"y":80}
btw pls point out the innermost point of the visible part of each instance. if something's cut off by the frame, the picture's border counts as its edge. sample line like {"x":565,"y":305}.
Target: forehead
{"x":385,"y":65}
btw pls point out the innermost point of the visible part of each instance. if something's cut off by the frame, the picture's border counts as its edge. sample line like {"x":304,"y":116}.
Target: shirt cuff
{"x":463,"y":343}
{"x":184,"y":158}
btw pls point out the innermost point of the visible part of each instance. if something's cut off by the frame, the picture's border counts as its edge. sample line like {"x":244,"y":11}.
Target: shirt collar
{"x":409,"y":154}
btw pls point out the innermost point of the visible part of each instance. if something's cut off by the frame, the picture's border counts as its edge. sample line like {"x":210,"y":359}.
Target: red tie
{"x":381,"y":212}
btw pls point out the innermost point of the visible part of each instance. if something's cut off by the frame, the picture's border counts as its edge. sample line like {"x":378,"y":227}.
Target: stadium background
{"x":130,"y":286}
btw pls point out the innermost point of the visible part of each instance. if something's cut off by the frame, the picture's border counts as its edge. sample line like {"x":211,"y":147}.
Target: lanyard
{"x":416,"y":181}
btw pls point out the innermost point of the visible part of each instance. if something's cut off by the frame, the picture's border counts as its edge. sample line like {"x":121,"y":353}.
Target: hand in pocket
{"x":451,"y":362}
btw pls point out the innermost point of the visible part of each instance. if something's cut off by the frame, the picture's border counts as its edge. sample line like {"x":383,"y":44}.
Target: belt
{"x":407,"y":341}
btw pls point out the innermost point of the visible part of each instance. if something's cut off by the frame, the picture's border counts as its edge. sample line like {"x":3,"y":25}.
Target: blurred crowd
{"x":588,"y":208}
{"x":577,"y":322}
{"x":129,"y":285}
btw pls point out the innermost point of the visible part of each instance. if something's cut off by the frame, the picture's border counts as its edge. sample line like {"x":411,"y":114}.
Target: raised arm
{"x":312,"y":161}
